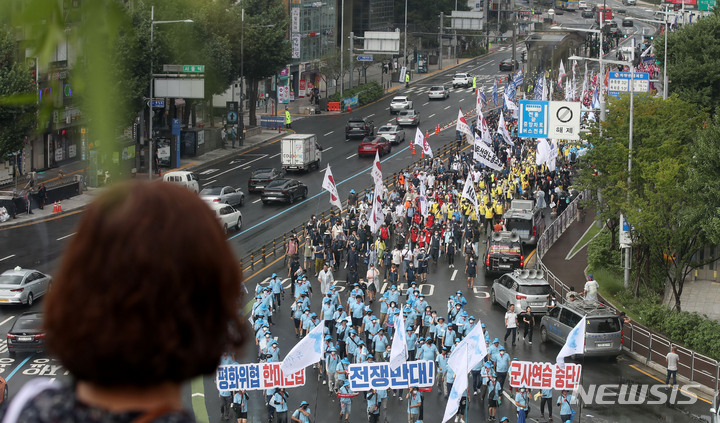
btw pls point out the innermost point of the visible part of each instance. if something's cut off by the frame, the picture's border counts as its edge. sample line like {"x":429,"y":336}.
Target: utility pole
{"x":352,"y":39}
{"x":342,"y":47}
{"x":628,"y":250}
{"x":514,"y":22}
{"x":486,"y":9}
{"x":440,"y":56}
{"x":241,"y":120}
{"x":405,"y":46}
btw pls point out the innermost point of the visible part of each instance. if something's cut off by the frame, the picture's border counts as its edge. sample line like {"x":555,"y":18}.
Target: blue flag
{"x":539,"y":88}
{"x":483,"y":99}
{"x":519,"y":78}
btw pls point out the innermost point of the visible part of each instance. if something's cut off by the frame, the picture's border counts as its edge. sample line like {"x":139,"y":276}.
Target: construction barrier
{"x":333,"y":106}
{"x":273,"y":122}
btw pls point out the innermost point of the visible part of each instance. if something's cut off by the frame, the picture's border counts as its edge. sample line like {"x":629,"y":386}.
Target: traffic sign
{"x":619,"y":82}
{"x":533,"y":119}
{"x":193,"y":68}
{"x":706,"y":5}
{"x":158,"y":104}
{"x":564,"y":120}
{"x":364,"y":58}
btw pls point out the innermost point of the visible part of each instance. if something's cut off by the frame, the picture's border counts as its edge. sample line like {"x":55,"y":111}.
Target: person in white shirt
{"x":591,"y":289}
{"x":511,"y":323}
{"x":326,"y":279}
{"x":672,"y":365}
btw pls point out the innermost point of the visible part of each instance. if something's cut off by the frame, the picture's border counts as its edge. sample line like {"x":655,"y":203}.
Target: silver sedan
{"x":223,"y":195}
{"x":438,"y":92}
{"x":408,"y":118}
{"x":23,"y":286}
{"x":392,"y":133}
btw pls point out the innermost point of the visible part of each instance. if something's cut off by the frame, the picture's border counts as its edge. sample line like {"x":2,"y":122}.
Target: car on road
{"x":392,"y":133}
{"x":370,"y":145}
{"x":525,"y":219}
{"x":400,"y":102}
{"x":229,"y":216}
{"x":23,"y":286}
{"x":438,"y":92}
{"x":260,"y":178}
{"x":603,"y":332}
{"x":223,"y":194}
{"x":182,"y":177}
{"x":462,"y":79}
{"x":587,"y":14}
{"x":284,"y":190}
{"x":359,"y":128}
{"x":582,"y":5}
{"x":508,"y":65}
{"x":26,"y":334}
{"x":408,"y":118}
{"x":503,"y":253}
{"x":629,"y":2}
{"x":628,"y":22}
{"x":523,"y":288}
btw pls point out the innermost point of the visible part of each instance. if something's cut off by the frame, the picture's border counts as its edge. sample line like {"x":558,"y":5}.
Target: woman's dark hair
{"x":148,"y":290}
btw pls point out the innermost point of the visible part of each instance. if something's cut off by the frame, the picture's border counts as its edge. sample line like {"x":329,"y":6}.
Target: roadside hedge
{"x":367,"y":93}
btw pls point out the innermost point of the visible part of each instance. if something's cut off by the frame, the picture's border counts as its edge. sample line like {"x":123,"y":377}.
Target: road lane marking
{"x":328,"y":133}
{"x":257,"y":201}
{"x":198,"y":401}
{"x":242,"y":165}
{"x":462,"y":99}
{"x":246,"y":167}
{"x":327,"y":149}
{"x":19,"y":366}
{"x":662,"y":381}
{"x":8,"y":257}
{"x":209,"y":182}
{"x":208,"y":171}
{"x":350,"y":156}
{"x":198,"y":394}
{"x":447,"y":107}
{"x":431,"y":115}
{"x":272,"y":157}
{"x":426,"y":103}
{"x":7,"y":320}
{"x":452,"y":278}
{"x":60,"y":239}
{"x":369,"y":116}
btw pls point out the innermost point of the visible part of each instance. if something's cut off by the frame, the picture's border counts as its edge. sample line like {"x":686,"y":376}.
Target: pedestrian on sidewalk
{"x":672,"y":362}
{"x":42,"y":196}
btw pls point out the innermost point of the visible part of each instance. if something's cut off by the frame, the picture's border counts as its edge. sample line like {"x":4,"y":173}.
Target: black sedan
{"x":284,"y":190}
{"x":509,"y":65}
{"x":260,"y":178}
{"x":26,"y":334}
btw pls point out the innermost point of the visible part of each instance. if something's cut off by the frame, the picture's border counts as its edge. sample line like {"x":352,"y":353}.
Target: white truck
{"x":300,"y":152}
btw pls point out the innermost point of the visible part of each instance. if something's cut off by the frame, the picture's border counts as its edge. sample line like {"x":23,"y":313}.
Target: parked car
{"x":26,"y":334}
{"x":438,"y":92}
{"x":184,"y":178}
{"x":229,"y":216}
{"x":408,"y":118}
{"x":392,"y":133}
{"x":23,"y":286}
{"x":522,"y":288}
{"x":462,"y":79}
{"x":603,"y":333}
{"x":260,"y":178}
{"x":359,"y":128}
{"x":370,"y":145}
{"x":223,"y":194}
{"x":284,"y":190}
{"x":503,"y":253}
{"x":400,"y":102}
{"x":509,"y":65}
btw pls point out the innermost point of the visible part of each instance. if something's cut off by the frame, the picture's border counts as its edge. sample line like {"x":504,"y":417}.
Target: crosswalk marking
{"x":3,"y":346}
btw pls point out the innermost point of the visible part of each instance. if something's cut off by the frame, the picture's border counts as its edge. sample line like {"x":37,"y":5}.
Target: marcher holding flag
{"x":574,"y":344}
{"x":462,"y":126}
{"x":399,"y":350}
{"x":308,"y":351}
{"x":329,"y":185}
{"x":423,"y":143}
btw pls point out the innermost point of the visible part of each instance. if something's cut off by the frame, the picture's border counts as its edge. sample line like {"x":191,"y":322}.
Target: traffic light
{"x":522,"y":56}
{"x":624,"y":35}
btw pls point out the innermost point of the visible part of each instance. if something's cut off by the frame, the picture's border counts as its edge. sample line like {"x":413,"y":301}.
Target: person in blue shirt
{"x":476,"y":377}
{"x":493,"y":396}
{"x":372,"y":329}
{"x":494,"y":350}
{"x":345,"y":401}
{"x":279,"y":401}
{"x":393,"y":295}
{"x":449,"y":338}
{"x":460,"y":322}
{"x":502,"y":366}
{"x":374,"y":402}
{"x":277,"y":289}
{"x":331,"y":361}
{"x":379,"y":342}
{"x":522,"y":401}
{"x":327,"y":311}
{"x":420,"y":306}
{"x":383,"y":300}
{"x":356,"y":310}
{"x":362,"y":353}
{"x":546,"y":399}
{"x":564,"y":401}
{"x":428,"y":351}
{"x":427,"y":322}
{"x":440,"y":330}
{"x":454,"y":312}
{"x":411,"y":342}
{"x":240,"y":400}
{"x":449,"y":380}
{"x":442,"y":370}
{"x":272,"y":351}
{"x":351,"y":344}
{"x":414,"y":402}
{"x":341,"y":373}
{"x":302,"y":414}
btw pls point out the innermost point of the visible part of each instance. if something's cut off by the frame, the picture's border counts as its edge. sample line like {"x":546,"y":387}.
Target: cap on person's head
{"x":345,"y":361}
{"x":304,"y":403}
{"x":351,"y":330}
{"x":459,"y":292}
{"x":326,"y":300}
{"x":440,"y":318}
{"x":464,"y":313}
{"x":422,"y":295}
{"x":274,"y":342}
{"x":328,"y":337}
{"x":488,"y":364}
{"x":496,"y":341}
{"x":504,"y":419}
{"x":482,"y":325}
{"x":332,"y":349}
{"x":373,"y":318}
{"x":274,"y":275}
{"x":501,"y":348}
{"x":393,"y":287}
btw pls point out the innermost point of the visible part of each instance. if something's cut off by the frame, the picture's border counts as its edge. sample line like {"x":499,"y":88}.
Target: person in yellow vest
{"x":498,"y":210}
{"x":288,"y":119}
{"x":407,"y":79}
{"x":482,"y":211}
{"x":489,"y":214}
{"x":475,"y":84}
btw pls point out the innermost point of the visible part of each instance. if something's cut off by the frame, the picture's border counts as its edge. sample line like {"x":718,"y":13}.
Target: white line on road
{"x":7,"y":320}
{"x":426,"y":103}
{"x":246,"y":167}
{"x":242,"y":165}
{"x":5,"y":258}
{"x":272,"y":157}
{"x":328,"y":133}
{"x":327,"y":149}
{"x":209,"y":182}
{"x":452,"y":278}
{"x":63,"y":237}
{"x":350,"y":157}
{"x":431,"y":115}
{"x":462,"y":99}
{"x":370,"y":115}
{"x":257,"y":201}
{"x":447,"y":107}
{"x":198,"y":394}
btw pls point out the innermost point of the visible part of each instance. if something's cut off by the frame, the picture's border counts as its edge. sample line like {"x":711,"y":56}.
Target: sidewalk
{"x":78,"y":202}
{"x":571,"y":272}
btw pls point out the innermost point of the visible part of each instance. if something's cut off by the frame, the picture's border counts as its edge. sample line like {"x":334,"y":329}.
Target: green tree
{"x":329,"y":67}
{"x":17,"y":96}
{"x":694,"y":60}
{"x":704,"y":173}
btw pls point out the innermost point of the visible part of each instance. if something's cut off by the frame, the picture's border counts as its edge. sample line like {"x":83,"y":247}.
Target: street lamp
{"x":153,"y":22}
{"x":630,"y":142}
{"x":665,"y":80}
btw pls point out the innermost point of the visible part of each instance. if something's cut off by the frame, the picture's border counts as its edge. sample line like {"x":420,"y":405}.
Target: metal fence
{"x":637,"y":338}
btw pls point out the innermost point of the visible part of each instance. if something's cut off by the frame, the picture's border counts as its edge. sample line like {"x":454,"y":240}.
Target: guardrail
{"x":637,"y":339}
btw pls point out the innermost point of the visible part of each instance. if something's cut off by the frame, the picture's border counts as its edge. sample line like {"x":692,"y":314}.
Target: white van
{"x":184,"y":178}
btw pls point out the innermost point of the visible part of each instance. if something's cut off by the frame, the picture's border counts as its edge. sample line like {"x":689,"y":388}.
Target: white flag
{"x":574,"y":344}
{"x":398,"y":350}
{"x":329,"y":185}
{"x":462,"y":126}
{"x":552,"y":157}
{"x":377,"y":216}
{"x":502,"y":130}
{"x":458,"y":387}
{"x":476,"y":349}
{"x":544,"y":89}
{"x":542,"y":151}
{"x":483,"y":154}
{"x":511,"y":106}
{"x":308,"y":351}
{"x":419,"y":138}
{"x":469,"y":190}
{"x":484,"y":130}
{"x":561,"y":73}
{"x":648,"y":51}
{"x":376,"y":171}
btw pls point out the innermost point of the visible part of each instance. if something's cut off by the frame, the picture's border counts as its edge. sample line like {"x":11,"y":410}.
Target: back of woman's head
{"x":148,"y":290}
